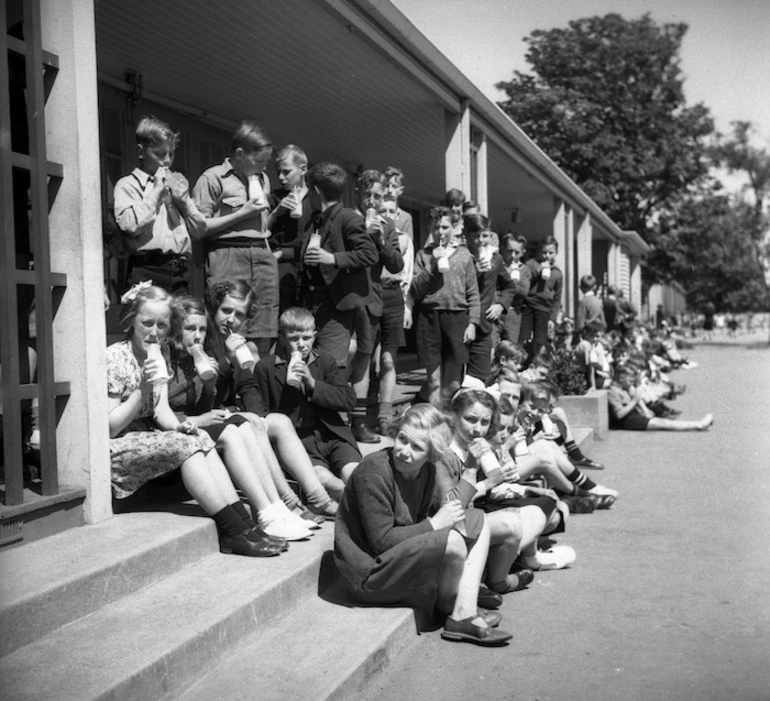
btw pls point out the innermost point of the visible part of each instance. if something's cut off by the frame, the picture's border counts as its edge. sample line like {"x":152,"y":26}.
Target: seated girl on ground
{"x":146,"y":438}
{"x":229,"y":305}
{"x":516,"y":522}
{"x":543,"y":458}
{"x":391,"y":551}
{"x":246,"y":450}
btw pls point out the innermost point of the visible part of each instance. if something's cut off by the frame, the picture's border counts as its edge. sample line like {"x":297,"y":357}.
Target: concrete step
{"x":64,"y":577}
{"x":584,"y":437}
{"x":320,"y":652}
{"x":155,"y":642}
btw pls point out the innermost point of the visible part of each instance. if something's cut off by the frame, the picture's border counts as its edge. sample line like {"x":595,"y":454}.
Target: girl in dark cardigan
{"x":392,"y":551}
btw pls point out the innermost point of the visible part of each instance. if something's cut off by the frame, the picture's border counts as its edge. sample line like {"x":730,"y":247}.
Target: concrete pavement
{"x":670,"y":594}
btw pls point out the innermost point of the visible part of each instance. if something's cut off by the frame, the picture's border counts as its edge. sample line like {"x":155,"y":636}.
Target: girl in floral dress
{"x":147,"y":440}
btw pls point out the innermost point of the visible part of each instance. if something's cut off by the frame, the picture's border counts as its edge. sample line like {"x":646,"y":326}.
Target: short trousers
{"x":172,"y":273}
{"x":328,"y":450}
{"x":392,"y":336}
{"x":480,"y":357}
{"x":631,"y":422}
{"x":334,"y":327}
{"x":367,"y":331}
{"x":287,"y":285}
{"x":440,"y":336}
{"x":259,"y":267}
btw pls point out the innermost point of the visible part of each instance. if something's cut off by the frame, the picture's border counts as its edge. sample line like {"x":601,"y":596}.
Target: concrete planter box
{"x":590,"y":409}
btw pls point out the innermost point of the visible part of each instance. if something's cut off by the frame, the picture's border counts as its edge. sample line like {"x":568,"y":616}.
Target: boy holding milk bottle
{"x":334,"y":256}
{"x":232,"y":197}
{"x":543,"y":303}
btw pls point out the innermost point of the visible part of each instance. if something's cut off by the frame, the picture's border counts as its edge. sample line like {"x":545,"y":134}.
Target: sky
{"x":725,"y":55}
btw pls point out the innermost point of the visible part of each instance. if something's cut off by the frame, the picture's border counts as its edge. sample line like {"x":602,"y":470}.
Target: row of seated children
{"x":633,"y":366}
{"x":641,"y":383}
{"x":450,"y":518}
{"x":187,"y":419}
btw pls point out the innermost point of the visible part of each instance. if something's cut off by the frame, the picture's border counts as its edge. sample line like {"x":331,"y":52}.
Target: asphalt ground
{"x":670,"y":595}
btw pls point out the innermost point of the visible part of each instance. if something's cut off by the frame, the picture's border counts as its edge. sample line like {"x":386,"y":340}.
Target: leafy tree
{"x":605,"y":102}
{"x":707,"y":243}
{"x":738,"y":154}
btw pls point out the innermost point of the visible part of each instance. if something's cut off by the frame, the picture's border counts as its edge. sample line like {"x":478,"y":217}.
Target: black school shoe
{"x":245,"y":544}
{"x":363,"y":434}
{"x":489,"y":599}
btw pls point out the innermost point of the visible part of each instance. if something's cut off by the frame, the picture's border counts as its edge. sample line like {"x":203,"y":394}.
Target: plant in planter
{"x":565,"y":372}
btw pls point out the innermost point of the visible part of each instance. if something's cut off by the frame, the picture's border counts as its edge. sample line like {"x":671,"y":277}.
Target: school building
{"x":350,"y":81}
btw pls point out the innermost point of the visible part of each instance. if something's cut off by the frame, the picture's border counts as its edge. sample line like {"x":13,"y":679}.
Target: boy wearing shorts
{"x":153,"y":209}
{"x":371,"y":189}
{"x":233,"y":198}
{"x":307,"y":386}
{"x":395,"y":291}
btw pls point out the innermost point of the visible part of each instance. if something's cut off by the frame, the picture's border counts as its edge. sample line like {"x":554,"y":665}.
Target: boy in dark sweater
{"x":445,"y":284}
{"x":308,"y":387}
{"x":543,"y":303}
{"x":496,"y":290}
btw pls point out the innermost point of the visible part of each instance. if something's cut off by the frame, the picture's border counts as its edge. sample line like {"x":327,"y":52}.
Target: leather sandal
{"x":603,"y":501}
{"x":491,"y":618}
{"x":468,"y":632}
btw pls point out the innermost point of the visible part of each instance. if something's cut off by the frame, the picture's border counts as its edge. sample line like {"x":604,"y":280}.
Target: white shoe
{"x":283,"y":528}
{"x":601,"y":491}
{"x":275,"y":522}
{"x":557,"y":557}
{"x":300,"y":522}
{"x":296,"y":519}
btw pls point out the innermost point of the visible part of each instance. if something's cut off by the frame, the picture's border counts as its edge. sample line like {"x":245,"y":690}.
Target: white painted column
{"x":482,"y":184}
{"x":72,"y":139}
{"x":568,"y":256}
{"x":635,"y":283}
{"x":458,"y":150}
{"x":585,"y":235}
{"x":613,"y":263}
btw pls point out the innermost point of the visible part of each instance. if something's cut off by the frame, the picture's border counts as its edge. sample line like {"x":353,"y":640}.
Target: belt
{"x":239,"y":243}
{"x":158,"y":257}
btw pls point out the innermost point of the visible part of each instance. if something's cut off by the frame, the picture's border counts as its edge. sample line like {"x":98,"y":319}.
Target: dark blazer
{"x":343,"y":234}
{"x":287,"y":231}
{"x":266,"y":392}
{"x":611,"y":313}
{"x":390,"y":258}
{"x":495,"y":286}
